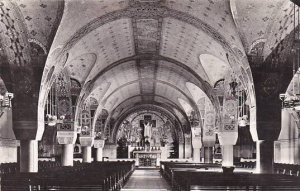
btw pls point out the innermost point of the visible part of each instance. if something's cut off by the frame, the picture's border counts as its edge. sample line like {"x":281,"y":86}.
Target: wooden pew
{"x":183,"y":177}
{"x":94,"y":176}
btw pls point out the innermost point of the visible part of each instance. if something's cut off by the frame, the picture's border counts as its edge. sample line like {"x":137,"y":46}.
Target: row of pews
{"x":287,"y":169}
{"x":195,"y":176}
{"x":82,"y":176}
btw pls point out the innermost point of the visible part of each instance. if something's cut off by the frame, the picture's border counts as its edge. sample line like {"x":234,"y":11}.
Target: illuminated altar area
{"x":148,"y":138}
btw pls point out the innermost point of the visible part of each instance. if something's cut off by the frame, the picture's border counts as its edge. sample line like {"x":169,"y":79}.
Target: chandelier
{"x":5,"y":102}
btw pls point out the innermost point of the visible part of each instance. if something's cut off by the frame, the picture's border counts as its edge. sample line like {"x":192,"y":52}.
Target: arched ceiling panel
{"x":80,"y":67}
{"x":100,"y":91}
{"x":185,"y":43}
{"x":215,"y":68}
{"x":254,"y":18}
{"x":41,"y":19}
{"x":170,"y":92}
{"x":119,"y":76}
{"x":186,"y":106}
{"x":215,"y":12}
{"x":84,"y":12}
{"x":111,"y":42}
{"x":196,"y":92}
{"x":124,"y":106}
{"x":281,"y":27}
{"x":122,"y":94}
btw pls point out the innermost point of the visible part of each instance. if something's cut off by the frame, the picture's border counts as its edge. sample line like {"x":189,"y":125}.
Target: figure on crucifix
{"x":147,"y":130}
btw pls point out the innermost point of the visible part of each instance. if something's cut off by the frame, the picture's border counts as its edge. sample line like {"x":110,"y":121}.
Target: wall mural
{"x":147,"y":129}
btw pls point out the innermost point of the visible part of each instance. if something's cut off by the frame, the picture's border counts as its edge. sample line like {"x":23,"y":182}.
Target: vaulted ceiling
{"x":127,"y":53}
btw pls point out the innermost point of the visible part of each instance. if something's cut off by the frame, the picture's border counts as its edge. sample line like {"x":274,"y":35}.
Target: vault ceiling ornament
{"x":147,"y":11}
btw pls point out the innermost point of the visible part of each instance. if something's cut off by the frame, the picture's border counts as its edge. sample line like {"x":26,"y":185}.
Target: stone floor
{"x":147,"y":180}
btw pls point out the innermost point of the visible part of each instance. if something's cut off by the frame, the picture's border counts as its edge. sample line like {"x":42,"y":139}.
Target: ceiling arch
{"x":215,"y":68}
{"x":160,"y":101}
{"x":148,"y":108}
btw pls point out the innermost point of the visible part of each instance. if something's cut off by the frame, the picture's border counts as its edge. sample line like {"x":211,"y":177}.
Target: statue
{"x":147,"y":130}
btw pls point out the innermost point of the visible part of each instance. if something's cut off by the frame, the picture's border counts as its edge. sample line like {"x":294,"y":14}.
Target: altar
{"x":147,"y":158}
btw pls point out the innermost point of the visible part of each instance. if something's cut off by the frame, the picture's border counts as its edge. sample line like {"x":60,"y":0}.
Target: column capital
{"x":228,"y":138}
{"x":25,"y":130}
{"x":99,"y":143}
{"x":66,"y":137}
{"x":86,"y":141}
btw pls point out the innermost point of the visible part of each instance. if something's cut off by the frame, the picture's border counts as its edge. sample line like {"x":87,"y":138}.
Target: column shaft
{"x":208,"y":154}
{"x":264,"y":156}
{"x":28,"y":156}
{"x":227,"y":156}
{"x":67,"y":155}
{"x":196,"y":155}
{"x":87,"y":154}
{"x":99,"y":154}
{"x":181,"y":150}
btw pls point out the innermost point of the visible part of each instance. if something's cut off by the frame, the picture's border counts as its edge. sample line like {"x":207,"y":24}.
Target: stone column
{"x":67,"y":139}
{"x":227,"y":140}
{"x":265,"y":157}
{"x":99,"y":144}
{"x":26,"y":132}
{"x":209,"y":136}
{"x":196,"y":155}
{"x":99,"y":154}
{"x":86,"y":145}
{"x":28,"y":156}
{"x":181,"y":150}
{"x":196,"y":143}
{"x":208,"y":154}
{"x":227,"y":156}
{"x":67,"y":155}
{"x":110,"y":151}
{"x":87,"y":154}
{"x":187,"y":146}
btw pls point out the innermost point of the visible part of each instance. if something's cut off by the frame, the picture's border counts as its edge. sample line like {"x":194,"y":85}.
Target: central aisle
{"x":146,"y":180}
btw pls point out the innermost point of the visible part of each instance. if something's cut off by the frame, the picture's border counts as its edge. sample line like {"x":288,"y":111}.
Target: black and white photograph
{"x":149,"y":95}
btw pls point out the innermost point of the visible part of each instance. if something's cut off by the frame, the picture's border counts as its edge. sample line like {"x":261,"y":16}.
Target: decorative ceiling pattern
{"x":183,"y":42}
{"x":135,"y":52}
{"x":80,"y":67}
{"x":111,"y":42}
{"x":41,"y":19}
{"x":254,"y":18}
{"x":146,"y":35}
{"x":216,"y":13}
{"x":13,"y":34}
{"x":282,"y":26}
